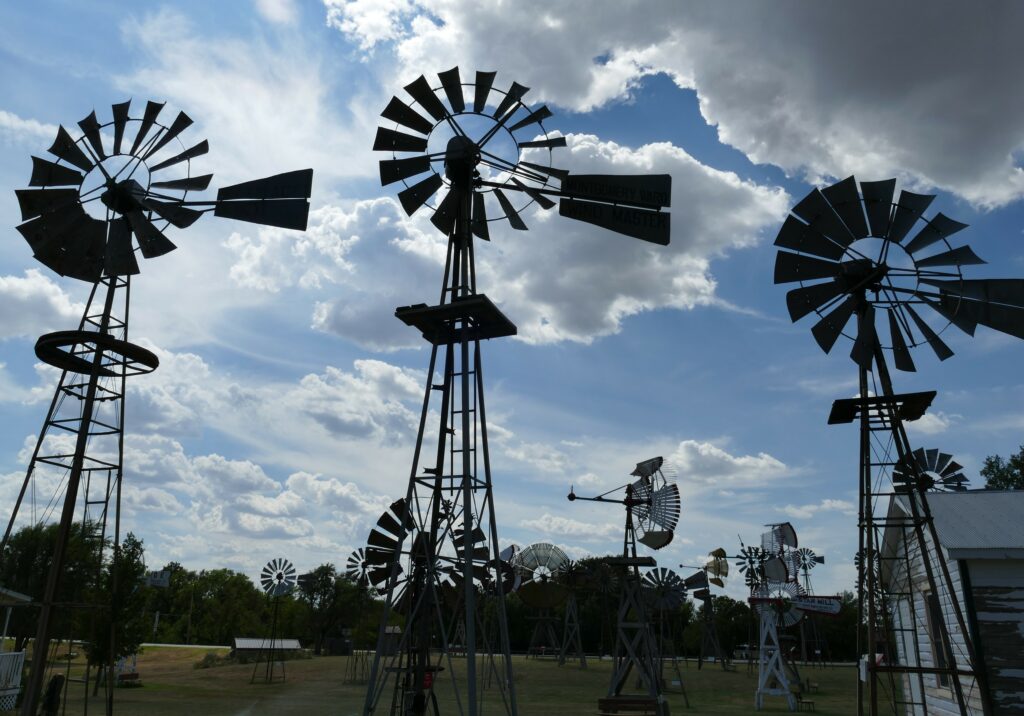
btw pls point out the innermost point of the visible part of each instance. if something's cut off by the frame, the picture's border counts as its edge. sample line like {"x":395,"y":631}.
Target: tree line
{"x":213,"y":606}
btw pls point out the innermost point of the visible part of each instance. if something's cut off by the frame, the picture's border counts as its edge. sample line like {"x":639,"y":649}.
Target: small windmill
{"x":98,"y":203}
{"x":540,"y":568}
{"x":652,"y":512}
{"x":770,"y":572}
{"x":278,"y":579}
{"x":712,"y":573}
{"x":489,"y":156}
{"x":859,"y":254}
{"x":810,"y":632}
{"x":666,"y":593}
{"x":574,"y":578}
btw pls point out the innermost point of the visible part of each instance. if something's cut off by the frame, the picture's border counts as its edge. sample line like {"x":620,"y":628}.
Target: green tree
{"x":118,"y":629}
{"x":1003,"y":474}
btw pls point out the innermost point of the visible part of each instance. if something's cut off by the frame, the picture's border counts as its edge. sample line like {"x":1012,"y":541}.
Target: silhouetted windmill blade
{"x":152,"y":242}
{"x":863,"y":351}
{"x":510,"y":101}
{"x":419,"y":193}
{"x":121,"y":259}
{"x":192,"y":152}
{"x":180,"y":216}
{"x":907,"y":212}
{"x":284,"y":213}
{"x":930,"y":469}
{"x":543,"y":201}
{"x":652,"y":226}
{"x":816,"y":210}
{"x":877,"y":197}
{"x":149,"y":117}
{"x":481,"y":89}
{"x":960,"y":256}
{"x":807,"y":299}
{"x":664,"y":588}
{"x":120,"y":113}
{"x":550,"y":143}
{"x":940,"y":227}
{"x":179,"y":125}
{"x":389,"y":140}
{"x":479,"y":220}
{"x":942,"y":351}
{"x":514,"y":220}
{"x":47,"y":173}
{"x":90,"y":127}
{"x":64,"y":147}
{"x":446,"y":213}
{"x":392,"y":170}
{"x":533,"y":117}
{"x":901,"y":353}
{"x":287,"y":185}
{"x":420,"y":90}
{"x":798,"y":236}
{"x":452,"y":83}
{"x":200,"y":183}
{"x":827,"y":331}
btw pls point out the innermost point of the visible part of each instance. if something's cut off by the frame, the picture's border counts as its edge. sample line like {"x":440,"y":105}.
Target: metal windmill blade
{"x":384,"y":542}
{"x":83,"y":210}
{"x":484,"y":153}
{"x":850,"y":249}
{"x":278,"y":577}
{"x":539,"y":565}
{"x":929,"y":470}
{"x":663,"y":588}
{"x":357,"y":569}
{"x":657,"y":513}
{"x":697,"y":582}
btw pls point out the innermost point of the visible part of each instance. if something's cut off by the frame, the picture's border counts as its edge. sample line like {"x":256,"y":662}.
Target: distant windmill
{"x":574,"y":578}
{"x":107,"y":199}
{"x":540,"y":567}
{"x":278,"y":579}
{"x":713,"y":573}
{"x":652,"y":512}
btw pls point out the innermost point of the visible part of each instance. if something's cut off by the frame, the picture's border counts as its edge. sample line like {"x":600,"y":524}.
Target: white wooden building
{"x":981,"y":535}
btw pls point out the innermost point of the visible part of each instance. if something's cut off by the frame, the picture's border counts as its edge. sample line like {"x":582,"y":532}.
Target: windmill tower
{"x":491,"y":149}
{"x":278,"y":579}
{"x":652,"y":512}
{"x":812,"y":641}
{"x":540,"y":567}
{"x":573,"y":578}
{"x":848,"y":247}
{"x":130,"y":177}
{"x":665,"y":593}
{"x":714,"y":571}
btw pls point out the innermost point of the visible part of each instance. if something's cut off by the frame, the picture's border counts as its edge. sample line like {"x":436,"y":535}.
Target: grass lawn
{"x":315,"y":686}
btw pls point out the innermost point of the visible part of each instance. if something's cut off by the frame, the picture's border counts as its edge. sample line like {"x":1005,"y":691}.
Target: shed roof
{"x":9,"y":597}
{"x":246,"y":643}
{"x":980,"y":524}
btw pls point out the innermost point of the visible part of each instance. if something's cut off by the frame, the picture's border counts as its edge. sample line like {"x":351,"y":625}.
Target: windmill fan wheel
{"x":929,"y":470}
{"x":664,"y":588}
{"x":857,"y":252}
{"x":132,"y":177}
{"x":278,"y":577}
{"x":540,"y":566}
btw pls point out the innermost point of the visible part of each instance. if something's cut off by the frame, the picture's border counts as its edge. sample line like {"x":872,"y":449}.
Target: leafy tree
{"x":1003,"y":474}
{"x":122,"y":591}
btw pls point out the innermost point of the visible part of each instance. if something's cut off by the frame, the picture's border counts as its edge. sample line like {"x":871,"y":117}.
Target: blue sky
{"x":282,"y":417}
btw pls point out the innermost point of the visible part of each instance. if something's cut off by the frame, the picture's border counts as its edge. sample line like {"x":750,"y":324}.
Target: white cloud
{"x":706,"y":463}
{"x":549,"y":524}
{"x":280,"y":12}
{"x":826,"y":505}
{"x":931,"y":423}
{"x":34,"y":304}
{"x":872,"y":88}
{"x":25,"y":131}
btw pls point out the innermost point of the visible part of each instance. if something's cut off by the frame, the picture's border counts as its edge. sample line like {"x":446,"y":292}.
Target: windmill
{"x":713,"y":573}
{"x":101,"y":199}
{"x":770,"y":572}
{"x":491,"y":154}
{"x":652,"y":512}
{"x":540,"y":567}
{"x":805,"y":559}
{"x":277,"y":579}
{"x":573,"y":577}
{"x":848,"y":247}
{"x":666,"y":593}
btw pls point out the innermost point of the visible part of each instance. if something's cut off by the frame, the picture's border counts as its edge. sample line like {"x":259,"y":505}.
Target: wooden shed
{"x":981,"y":535}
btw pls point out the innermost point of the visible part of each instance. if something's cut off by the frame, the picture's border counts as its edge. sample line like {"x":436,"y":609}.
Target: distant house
{"x":981,"y":535}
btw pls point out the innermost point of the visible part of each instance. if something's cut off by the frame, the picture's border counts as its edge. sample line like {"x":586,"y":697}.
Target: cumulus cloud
{"x":930,"y":94}
{"x":932,"y":423}
{"x":562,"y":280}
{"x":706,"y":463}
{"x":281,"y":12}
{"x":17,"y":129}
{"x":548,"y":524}
{"x":33,"y":304}
{"x":826,"y":505}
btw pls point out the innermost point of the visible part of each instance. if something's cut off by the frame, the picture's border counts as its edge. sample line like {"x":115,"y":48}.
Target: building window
{"x":940,"y":648}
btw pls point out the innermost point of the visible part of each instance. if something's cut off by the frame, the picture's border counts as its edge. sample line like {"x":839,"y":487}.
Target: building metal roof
{"x":9,"y":597}
{"x":246,"y":643}
{"x":980,"y":524}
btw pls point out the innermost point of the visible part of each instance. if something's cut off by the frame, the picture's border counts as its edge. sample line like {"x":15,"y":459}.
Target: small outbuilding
{"x":11,"y":662}
{"x":981,"y":538}
{"x":248,"y":646}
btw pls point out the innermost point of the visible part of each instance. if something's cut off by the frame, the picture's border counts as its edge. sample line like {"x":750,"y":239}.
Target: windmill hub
{"x":460,"y":160}
{"x":122,"y":196}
